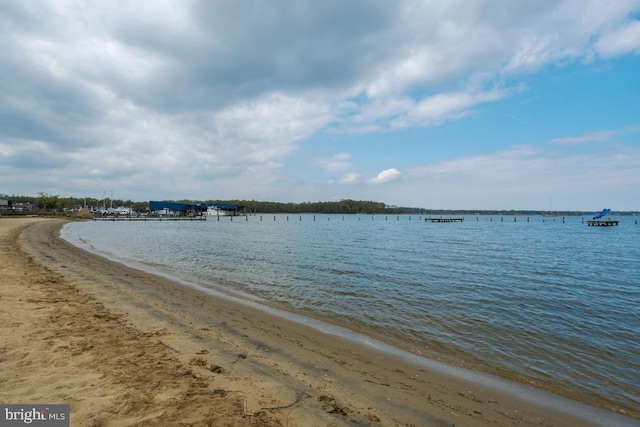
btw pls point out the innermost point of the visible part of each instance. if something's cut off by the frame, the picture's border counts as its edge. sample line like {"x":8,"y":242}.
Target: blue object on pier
{"x":601,"y":214}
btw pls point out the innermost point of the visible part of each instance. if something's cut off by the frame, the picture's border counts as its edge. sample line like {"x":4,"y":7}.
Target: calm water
{"x":547,"y":302}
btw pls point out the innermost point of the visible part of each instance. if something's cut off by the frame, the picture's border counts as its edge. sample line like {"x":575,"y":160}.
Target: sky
{"x":456,"y":104}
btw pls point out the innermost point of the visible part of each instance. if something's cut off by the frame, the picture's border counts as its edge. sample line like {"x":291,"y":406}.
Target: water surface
{"x":547,"y":301}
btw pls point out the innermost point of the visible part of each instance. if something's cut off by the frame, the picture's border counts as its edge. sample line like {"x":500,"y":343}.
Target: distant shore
{"x":432,"y":212}
{"x":123,"y":346}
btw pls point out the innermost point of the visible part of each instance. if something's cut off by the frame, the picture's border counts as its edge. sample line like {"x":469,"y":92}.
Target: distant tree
{"x":46,"y":201}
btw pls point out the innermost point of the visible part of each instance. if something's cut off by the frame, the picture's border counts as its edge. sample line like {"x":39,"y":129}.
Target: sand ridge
{"x":125,"y":347}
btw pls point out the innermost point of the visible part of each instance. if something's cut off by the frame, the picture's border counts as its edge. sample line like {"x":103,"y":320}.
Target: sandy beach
{"x":124,"y":348}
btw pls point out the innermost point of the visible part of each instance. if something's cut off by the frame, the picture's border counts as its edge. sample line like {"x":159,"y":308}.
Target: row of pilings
{"x":397,"y":218}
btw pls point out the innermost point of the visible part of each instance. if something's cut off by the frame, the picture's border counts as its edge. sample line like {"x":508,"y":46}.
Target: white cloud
{"x":349,"y":178}
{"x":438,"y":108}
{"x":533,"y":52}
{"x":601,"y":136}
{"x":400,"y":113}
{"x":387,"y":175}
{"x":339,"y":161}
{"x":623,"y":40}
{"x":526,"y":177}
{"x":260,"y":128}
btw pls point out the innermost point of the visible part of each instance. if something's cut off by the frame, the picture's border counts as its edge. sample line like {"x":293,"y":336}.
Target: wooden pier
{"x":602,"y":223}
{"x":444,"y":219}
{"x":151,"y":218}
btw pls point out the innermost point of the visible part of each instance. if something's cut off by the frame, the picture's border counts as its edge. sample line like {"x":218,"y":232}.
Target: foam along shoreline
{"x":271,"y":358}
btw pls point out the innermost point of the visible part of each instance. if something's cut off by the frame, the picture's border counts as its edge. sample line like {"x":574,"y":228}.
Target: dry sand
{"x":124,"y":347}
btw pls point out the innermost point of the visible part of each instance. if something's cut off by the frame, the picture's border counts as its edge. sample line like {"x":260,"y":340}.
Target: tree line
{"x":347,"y":206}
{"x":55,"y":202}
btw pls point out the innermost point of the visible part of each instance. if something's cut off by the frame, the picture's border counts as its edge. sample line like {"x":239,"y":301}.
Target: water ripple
{"x":557,"y":303}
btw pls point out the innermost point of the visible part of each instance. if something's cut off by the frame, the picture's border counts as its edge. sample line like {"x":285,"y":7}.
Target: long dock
{"x":603,"y":223}
{"x":444,"y":219}
{"x":151,"y":218}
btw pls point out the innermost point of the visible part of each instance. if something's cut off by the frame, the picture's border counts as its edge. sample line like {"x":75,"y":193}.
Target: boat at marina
{"x":216,"y":211}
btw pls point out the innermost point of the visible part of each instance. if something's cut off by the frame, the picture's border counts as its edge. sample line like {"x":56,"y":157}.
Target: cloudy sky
{"x":487,"y":104}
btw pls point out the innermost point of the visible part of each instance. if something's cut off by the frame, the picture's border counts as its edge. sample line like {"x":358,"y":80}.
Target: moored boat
{"x":216,"y":211}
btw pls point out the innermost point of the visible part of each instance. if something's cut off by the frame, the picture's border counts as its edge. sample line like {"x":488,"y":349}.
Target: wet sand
{"x":124,"y":347}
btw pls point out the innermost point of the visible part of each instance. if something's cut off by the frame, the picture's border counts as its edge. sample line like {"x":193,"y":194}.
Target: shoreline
{"x":265,"y":368}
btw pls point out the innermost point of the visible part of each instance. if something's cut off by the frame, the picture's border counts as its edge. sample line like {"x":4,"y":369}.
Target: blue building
{"x":176,"y":208}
